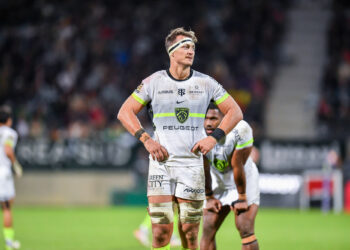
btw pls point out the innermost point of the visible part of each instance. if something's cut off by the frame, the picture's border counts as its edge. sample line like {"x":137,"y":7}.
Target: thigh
{"x":245,"y":221}
{"x":159,"y":181}
{"x":212,"y":221}
{"x":7,"y":187}
{"x":189,"y":182}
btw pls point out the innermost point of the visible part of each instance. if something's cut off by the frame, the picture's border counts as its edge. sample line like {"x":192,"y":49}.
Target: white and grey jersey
{"x":220,"y":156}
{"x":179,"y":109}
{"x":8,"y":136}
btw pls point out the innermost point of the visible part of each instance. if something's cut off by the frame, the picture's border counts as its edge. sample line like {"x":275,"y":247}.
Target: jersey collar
{"x":169,"y":74}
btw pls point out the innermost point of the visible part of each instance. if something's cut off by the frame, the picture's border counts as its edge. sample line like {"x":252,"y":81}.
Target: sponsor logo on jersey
{"x":174,"y":127}
{"x":165,"y":92}
{"x":182,"y":114}
{"x":196,"y":92}
{"x":237,"y":136}
{"x":177,"y":102}
{"x":220,"y":165}
{"x":181,"y":92}
{"x":138,"y":89}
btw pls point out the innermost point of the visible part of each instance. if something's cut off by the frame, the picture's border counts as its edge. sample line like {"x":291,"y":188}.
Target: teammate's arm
{"x":208,"y":189}
{"x":232,"y":115}
{"x":213,"y":204}
{"x":127,"y":116}
{"x":238,"y":161}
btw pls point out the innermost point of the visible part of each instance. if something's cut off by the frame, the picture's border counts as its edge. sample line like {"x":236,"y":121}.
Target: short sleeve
{"x":11,"y":139}
{"x":219,"y":94}
{"x":141,"y":93}
{"x":244,"y":135}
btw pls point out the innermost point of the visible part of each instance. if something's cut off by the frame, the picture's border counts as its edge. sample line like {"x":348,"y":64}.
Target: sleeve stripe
{"x":9,"y":143}
{"x":220,"y":100}
{"x":197,"y":115}
{"x":164,"y":115}
{"x":245,"y":144}
{"x":139,"y":99}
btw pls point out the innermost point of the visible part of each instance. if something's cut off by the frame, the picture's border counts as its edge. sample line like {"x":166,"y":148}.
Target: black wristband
{"x":218,"y":133}
{"x":237,"y":201}
{"x":139,"y":133}
{"x":209,"y":193}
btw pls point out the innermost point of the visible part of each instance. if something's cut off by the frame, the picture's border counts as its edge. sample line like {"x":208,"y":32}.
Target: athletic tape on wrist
{"x":249,"y":239}
{"x":237,"y":201}
{"x":218,"y":133}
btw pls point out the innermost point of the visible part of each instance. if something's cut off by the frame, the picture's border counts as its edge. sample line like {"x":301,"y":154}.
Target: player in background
{"x":231,"y":183}
{"x":179,"y":98}
{"x":142,"y":233}
{"x":8,"y":140}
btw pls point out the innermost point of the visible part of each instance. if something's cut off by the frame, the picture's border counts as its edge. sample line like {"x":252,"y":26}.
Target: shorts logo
{"x":156,"y":181}
{"x":182,"y":114}
{"x":220,"y":164}
{"x":181,"y":92}
{"x":195,"y":191}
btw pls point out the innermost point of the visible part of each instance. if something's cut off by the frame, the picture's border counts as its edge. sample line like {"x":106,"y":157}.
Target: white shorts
{"x":7,"y":187}
{"x":183,"y":182}
{"x":227,"y":196}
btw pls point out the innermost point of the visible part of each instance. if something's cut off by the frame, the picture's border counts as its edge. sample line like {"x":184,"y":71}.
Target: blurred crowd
{"x":67,"y":66}
{"x":334,"y":106}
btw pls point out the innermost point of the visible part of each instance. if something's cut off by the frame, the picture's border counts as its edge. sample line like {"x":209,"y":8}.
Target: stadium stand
{"x":66,"y":67}
{"x":334,"y":105}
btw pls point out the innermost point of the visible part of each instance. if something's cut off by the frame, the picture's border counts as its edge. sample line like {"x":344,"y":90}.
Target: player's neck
{"x":180,"y":72}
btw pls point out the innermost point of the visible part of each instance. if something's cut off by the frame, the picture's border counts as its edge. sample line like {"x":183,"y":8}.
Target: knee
{"x":6,"y":205}
{"x":161,"y":234}
{"x":245,"y":228}
{"x":191,"y":234}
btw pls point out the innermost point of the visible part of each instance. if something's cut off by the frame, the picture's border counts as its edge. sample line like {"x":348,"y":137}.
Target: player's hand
{"x":239,"y":207}
{"x":204,"y":145}
{"x":156,"y":150}
{"x":213,"y":205}
{"x":17,"y":168}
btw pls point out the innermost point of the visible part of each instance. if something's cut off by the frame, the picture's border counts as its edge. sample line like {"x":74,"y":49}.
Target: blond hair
{"x":169,"y":40}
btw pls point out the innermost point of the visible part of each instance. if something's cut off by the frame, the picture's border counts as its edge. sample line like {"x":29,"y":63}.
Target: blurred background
{"x":67,"y":66}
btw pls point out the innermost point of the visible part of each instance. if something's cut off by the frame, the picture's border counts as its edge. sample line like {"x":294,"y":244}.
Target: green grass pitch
{"x":110,"y":228}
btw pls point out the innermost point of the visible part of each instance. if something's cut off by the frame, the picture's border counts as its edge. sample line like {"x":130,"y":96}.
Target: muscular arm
{"x":213,"y":204}
{"x":238,"y":161}
{"x":10,"y":153}
{"x":232,"y":114}
{"x":208,"y":189}
{"x":127,"y":116}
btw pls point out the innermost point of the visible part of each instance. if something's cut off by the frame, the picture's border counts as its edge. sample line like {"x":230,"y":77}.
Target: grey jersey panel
{"x":179,"y":109}
{"x":220,"y":156}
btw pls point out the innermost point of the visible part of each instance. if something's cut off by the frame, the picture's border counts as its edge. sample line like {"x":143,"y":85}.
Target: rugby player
{"x":8,"y":140}
{"x":231,"y":182}
{"x":178,"y":98}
